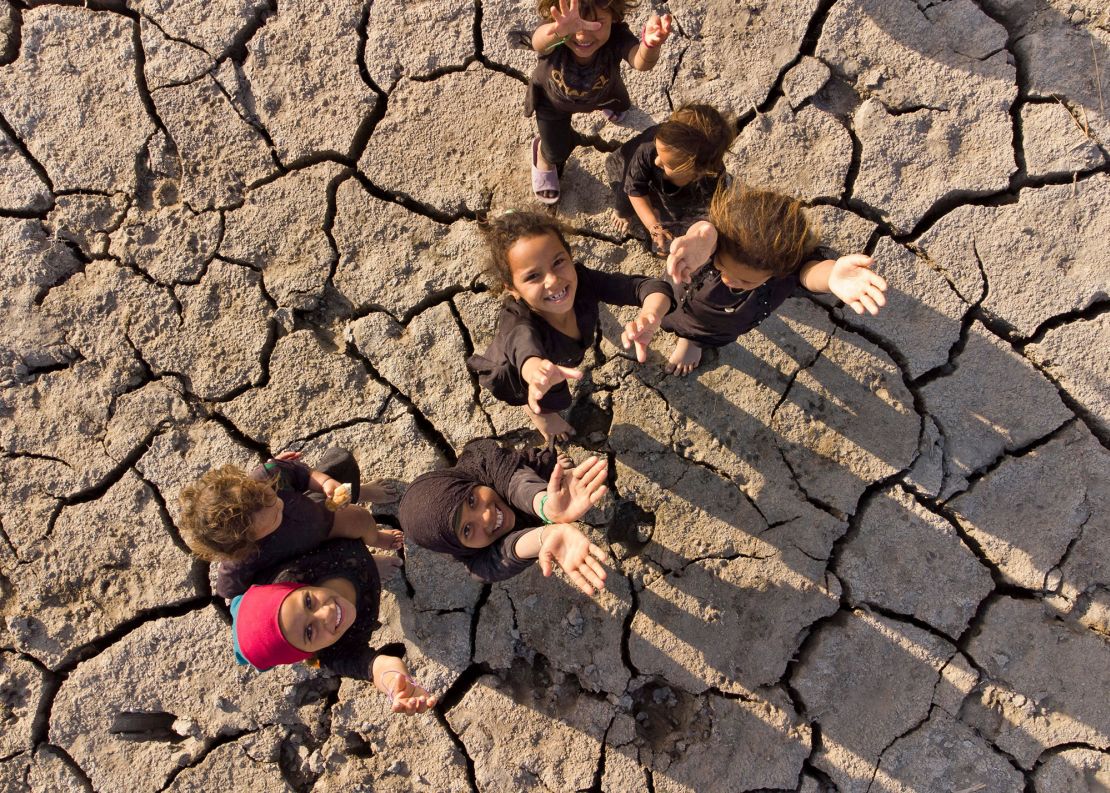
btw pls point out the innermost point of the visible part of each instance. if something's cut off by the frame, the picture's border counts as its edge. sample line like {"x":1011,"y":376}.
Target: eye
{"x":308,"y":632}
{"x":307,"y":601}
{"x":466,"y":531}
{"x":532,"y":277}
{"x":470,"y":499}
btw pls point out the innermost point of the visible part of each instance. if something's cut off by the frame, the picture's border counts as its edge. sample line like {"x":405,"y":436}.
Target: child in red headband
{"x":323,"y":605}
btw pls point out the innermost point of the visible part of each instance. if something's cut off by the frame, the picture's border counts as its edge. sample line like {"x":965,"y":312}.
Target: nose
{"x":326,"y":614}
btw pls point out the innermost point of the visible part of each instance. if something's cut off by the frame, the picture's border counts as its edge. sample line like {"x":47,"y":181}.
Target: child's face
{"x":543,"y":275}
{"x":671,"y":161}
{"x":265,"y":521}
{"x":314,"y":617}
{"x":585,"y":43}
{"x":483,"y":517}
{"x":738,"y":275}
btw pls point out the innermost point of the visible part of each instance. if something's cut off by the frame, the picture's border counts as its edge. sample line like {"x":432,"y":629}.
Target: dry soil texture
{"x":849,"y":554}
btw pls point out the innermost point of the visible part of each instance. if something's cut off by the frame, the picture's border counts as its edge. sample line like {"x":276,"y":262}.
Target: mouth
{"x":558,"y":297}
{"x":582,"y":46}
{"x":338,"y":616}
{"x":500,"y":521}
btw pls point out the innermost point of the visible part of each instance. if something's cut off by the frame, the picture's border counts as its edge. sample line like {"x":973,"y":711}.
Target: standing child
{"x":550,"y":316}
{"x":738,"y":267}
{"x":248,"y":522}
{"x":498,"y":510}
{"x":672,"y":170}
{"x":323,"y":605}
{"x":580,"y":48}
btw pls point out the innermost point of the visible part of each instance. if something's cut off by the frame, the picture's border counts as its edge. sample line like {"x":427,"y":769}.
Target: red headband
{"x":257,"y":633}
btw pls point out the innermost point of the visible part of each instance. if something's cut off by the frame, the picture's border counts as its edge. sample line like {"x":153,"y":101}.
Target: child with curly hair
{"x":736,"y":268}
{"x":550,"y":314}
{"x":580,"y":46}
{"x":248,"y":522}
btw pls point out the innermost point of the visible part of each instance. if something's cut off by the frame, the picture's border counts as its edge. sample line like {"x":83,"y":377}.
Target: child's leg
{"x":685,"y":358}
{"x":552,"y":426}
{"x":557,"y":138}
{"x":356,"y":523}
{"x":341,"y":465}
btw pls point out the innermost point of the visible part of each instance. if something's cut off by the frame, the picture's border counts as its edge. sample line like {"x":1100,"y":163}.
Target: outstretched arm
{"x":656,"y":31}
{"x":564,"y":545}
{"x":850,"y":278}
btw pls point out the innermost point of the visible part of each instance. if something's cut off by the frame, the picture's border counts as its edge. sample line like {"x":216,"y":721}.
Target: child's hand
{"x":580,"y":559}
{"x":567,"y":19}
{"x":852,"y":280}
{"x":288,"y":456}
{"x":391,"y":677}
{"x":657,"y":30}
{"x":639,"y":332}
{"x":541,"y":374}
{"x":569,"y":497}
{"x":691,"y":251}
{"x":660,"y":237}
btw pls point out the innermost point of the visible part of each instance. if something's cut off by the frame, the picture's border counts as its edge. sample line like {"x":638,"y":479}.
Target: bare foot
{"x":620,"y":224}
{"x":383,"y":491}
{"x":684,"y":359}
{"x":388,"y":540}
{"x":552,"y":426}
{"x":388,"y":565}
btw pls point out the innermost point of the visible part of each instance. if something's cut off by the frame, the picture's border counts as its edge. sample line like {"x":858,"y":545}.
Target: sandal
{"x":543,"y":181}
{"x":610,"y":116}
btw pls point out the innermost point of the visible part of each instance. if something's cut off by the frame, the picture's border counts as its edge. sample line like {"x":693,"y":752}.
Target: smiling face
{"x":543,"y":275}
{"x":585,"y":43}
{"x":314,"y":617}
{"x":738,"y":275}
{"x":483,"y":517}
{"x":265,"y":521}
{"x":676,"y":166}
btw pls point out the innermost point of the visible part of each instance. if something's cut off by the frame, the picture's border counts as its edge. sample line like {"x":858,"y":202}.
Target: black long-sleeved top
{"x":523,"y":334}
{"x":711,"y":314}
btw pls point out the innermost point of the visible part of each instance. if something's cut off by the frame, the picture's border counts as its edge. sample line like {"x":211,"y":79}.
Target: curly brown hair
{"x":502,"y":231}
{"x":589,"y":8}
{"x":701,"y":134}
{"x":762,"y":229}
{"x":216,"y":513}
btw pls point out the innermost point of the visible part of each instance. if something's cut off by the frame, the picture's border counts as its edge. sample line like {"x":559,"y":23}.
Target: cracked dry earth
{"x":849,"y":555}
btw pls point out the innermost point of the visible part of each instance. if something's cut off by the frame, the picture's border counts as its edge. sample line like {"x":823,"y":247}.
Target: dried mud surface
{"x":850,"y":554}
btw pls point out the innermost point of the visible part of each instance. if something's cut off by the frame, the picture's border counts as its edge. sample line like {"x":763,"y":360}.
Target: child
{"x":580,"y":49}
{"x":672,"y":170}
{"x":742,"y":264}
{"x":249,"y":522}
{"x":323,"y":605}
{"x":495,"y":512}
{"x":550,"y":315}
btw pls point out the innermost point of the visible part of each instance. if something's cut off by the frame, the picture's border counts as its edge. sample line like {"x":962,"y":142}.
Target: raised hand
{"x":566,"y":546}
{"x":691,"y":251}
{"x":852,"y":280}
{"x":391,"y":677}
{"x":570,"y":496}
{"x":541,"y":374}
{"x":288,"y":456}
{"x":639,"y":332}
{"x":567,"y":19}
{"x":657,"y":30}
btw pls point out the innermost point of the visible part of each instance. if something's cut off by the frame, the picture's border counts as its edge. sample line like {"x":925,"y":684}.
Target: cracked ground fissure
{"x":55,"y":677}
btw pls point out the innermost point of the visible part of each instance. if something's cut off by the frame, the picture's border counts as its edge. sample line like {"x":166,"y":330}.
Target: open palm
{"x":853,"y":281}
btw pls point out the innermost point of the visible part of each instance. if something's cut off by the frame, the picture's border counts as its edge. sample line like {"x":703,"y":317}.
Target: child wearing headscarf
{"x":323,"y":605}
{"x":498,"y":510}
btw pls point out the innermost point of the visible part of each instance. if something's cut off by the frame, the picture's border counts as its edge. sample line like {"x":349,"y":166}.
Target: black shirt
{"x":570,"y":87}
{"x":524,"y":334}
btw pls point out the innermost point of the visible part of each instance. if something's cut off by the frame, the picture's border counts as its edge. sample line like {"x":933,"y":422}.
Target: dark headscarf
{"x":427,"y":510}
